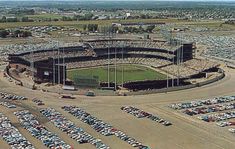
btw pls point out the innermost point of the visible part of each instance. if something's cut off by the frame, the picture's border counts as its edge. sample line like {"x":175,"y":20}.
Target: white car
{"x":232,"y":130}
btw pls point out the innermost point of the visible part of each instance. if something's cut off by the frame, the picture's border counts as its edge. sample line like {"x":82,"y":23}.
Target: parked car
{"x":101,"y":126}
{"x":72,"y":131}
{"x":48,"y":138}
{"x":142,"y":114}
{"x":12,"y":136}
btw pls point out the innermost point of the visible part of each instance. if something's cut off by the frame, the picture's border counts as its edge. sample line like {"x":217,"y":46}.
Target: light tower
{"x":32,"y":63}
{"x":53,"y":48}
{"x":173,"y":60}
{"x":108,"y":64}
{"x":58,"y":63}
{"x":122,"y":64}
{"x":115,"y":64}
{"x":64,"y":67}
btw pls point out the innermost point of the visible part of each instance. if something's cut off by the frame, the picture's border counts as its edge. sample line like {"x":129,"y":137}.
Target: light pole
{"x":115,"y":74}
{"x":58,"y":62}
{"x":122,"y":65}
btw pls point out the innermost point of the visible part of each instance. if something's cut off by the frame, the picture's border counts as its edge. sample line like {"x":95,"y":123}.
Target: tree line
{"x":4,"y":33}
{"x":4,"y":19}
{"x":116,"y":29}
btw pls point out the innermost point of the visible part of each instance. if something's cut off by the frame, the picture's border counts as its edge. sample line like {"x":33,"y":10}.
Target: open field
{"x":131,"y":73}
{"x":21,"y":41}
{"x":99,"y":22}
{"x":44,"y":16}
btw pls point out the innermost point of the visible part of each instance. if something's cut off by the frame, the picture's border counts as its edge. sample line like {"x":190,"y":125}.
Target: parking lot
{"x":219,"y":46}
{"x":184,"y":131}
{"x":72,"y":131}
{"x":12,"y":135}
{"x":49,"y":139}
{"x":220,"y":110}
{"x":102,"y":127}
{"x":142,"y":114}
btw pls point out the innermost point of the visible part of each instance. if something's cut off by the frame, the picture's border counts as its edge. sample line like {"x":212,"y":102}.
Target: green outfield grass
{"x":131,"y":73}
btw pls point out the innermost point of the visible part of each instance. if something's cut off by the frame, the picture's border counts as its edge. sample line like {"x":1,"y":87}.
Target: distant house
{"x":128,"y":14}
{"x":102,"y":18}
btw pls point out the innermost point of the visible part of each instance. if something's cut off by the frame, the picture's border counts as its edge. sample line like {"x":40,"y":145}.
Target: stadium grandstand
{"x":51,"y":65}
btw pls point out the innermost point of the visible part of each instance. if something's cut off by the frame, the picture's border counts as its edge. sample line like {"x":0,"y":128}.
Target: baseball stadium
{"x":115,"y":64}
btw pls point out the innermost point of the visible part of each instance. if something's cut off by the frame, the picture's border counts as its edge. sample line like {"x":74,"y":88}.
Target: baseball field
{"x":129,"y":73}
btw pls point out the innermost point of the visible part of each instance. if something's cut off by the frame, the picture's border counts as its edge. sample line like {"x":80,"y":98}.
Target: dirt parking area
{"x":185,"y":133}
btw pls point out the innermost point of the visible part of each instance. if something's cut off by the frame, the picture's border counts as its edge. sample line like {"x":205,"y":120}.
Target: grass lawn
{"x":44,"y":16}
{"x":131,"y":73}
{"x":78,"y":23}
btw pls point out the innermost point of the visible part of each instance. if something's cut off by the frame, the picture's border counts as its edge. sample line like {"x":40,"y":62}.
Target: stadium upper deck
{"x":96,"y":48}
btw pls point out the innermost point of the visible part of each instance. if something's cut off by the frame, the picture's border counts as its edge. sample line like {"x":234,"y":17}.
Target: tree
{"x":25,"y":19}
{"x":140,"y":29}
{"x":95,"y":27}
{"x":126,"y":29}
{"x":92,"y":27}
{"x":17,"y":33}
{"x":64,"y":18}
{"x":31,"y":12}
{"x":84,"y":27}
{"x":4,"y":19}
{"x":143,"y":16}
{"x":114,"y":29}
{"x":56,"y":19}
{"x":3,"y":33}
{"x":26,"y":33}
{"x":150,"y":28}
{"x":12,"y":19}
{"x":88,"y":16}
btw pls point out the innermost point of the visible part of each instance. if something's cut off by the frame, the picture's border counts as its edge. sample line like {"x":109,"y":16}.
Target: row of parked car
{"x":11,"y":96}
{"x":73,"y":131}
{"x":218,"y":116}
{"x":142,"y":114}
{"x":49,"y":139}
{"x":7,"y":104}
{"x":101,"y":126}
{"x":198,"y":103}
{"x":217,"y":104}
{"x":224,"y":124}
{"x":12,"y":135}
{"x":209,"y":109}
{"x":38,"y":102}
